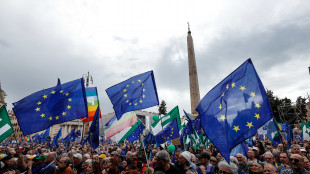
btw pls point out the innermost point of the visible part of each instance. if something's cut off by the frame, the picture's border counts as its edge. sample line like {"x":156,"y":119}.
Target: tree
{"x":162,"y":108}
{"x":301,"y":106}
{"x":275,"y":102}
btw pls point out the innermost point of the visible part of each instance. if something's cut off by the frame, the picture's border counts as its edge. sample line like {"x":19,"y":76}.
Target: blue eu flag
{"x":48,"y":107}
{"x":188,"y":129}
{"x":234,"y":109}
{"x":149,"y":139}
{"x":170,"y":132}
{"x":135,"y":135}
{"x":136,"y":93}
{"x":56,"y":138}
{"x":94,"y":131}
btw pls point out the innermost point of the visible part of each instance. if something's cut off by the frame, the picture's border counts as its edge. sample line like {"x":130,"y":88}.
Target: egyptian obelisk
{"x":193,"y":77}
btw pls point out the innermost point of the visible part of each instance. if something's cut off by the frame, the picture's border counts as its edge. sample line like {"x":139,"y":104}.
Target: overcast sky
{"x":41,"y":41}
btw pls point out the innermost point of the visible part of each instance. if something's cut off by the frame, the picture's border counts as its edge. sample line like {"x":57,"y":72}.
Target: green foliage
{"x":162,"y":108}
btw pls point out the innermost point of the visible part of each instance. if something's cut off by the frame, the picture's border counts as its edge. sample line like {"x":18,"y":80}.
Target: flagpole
{"x":143,"y":143}
{"x":275,"y":122}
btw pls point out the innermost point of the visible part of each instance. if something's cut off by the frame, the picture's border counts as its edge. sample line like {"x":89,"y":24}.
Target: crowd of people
{"x":128,"y":158}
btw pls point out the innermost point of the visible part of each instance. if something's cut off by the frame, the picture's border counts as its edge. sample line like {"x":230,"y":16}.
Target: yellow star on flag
{"x":220,"y":106}
{"x":236,"y":128}
{"x":242,"y":88}
{"x":67,"y":94}
{"x":125,"y":90}
{"x":223,"y":117}
{"x":57,"y":117}
{"x":223,"y":94}
{"x":257,"y":106}
{"x":143,"y":89}
{"x":37,"y":109}
{"x":133,"y":82}
{"x":69,"y":107}
{"x":227,"y":86}
{"x":61,"y":91}
{"x":53,"y":92}
{"x":143,"y":96}
{"x":127,"y":85}
{"x":140,"y":101}
{"x":39,"y":103}
{"x":257,"y":116}
{"x":250,"y":125}
{"x":69,"y":99}
{"x":253,"y":94}
{"x":142,"y":84}
{"x":63,"y":113}
{"x":233,"y":85}
{"x":42,"y":115}
{"x":125,"y":95}
{"x":50,"y":118}
{"x":136,"y":104}
{"x":127,"y":101}
{"x":139,"y":80}
{"x":44,"y":96}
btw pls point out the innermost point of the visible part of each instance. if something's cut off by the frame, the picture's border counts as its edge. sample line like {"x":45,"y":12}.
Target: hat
{"x":5,"y":157}
{"x":303,"y":150}
{"x":41,"y":157}
{"x":186,"y":155}
{"x":204,"y":154}
{"x":31,"y":157}
{"x":102,"y":156}
{"x":77,"y":155}
{"x":255,"y":149}
{"x":86,"y":156}
{"x":163,"y":155}
{"x":89,"y":161}
{"x":114,"y":153}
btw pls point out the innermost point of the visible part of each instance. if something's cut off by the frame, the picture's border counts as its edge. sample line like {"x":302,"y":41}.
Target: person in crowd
{"x":93,"y":168}
{"x":50,"y":167}
{"x":253,"y":167}
{"x":251,"y":156}
{"x":162,"y":163}
{"x":204,"y":166}
{"x":280,"y":147}
{"x":297,"y":162}
{"x":225,"y":168}
{"x":270,"y":169}
{"x":64,"y":166}
{"x":184,"y":163}
{"x":295,"y":149}
{"x":242,"y":162}
{"x":306,"y":163}
{"x":77,"y":162}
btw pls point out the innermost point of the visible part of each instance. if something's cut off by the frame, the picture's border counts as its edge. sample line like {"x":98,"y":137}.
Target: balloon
{"x":155,"y":118}
{"x":171,"y":148}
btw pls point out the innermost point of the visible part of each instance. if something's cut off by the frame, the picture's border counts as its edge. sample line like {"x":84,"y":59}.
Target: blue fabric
{"x":136,"y":93}
{"x":170,"y":132}
{"x":136,"y":133}
{"x":188,"y":129}
{"x":45,"y":135}
{"x":94,"y":131}
{"x":240,"y":148}
{"x":234,"y":109}
{"x":56,"y":138}
{"x":149,"y":139}
{"x":272,"y":131}
{"x":51,"y":106}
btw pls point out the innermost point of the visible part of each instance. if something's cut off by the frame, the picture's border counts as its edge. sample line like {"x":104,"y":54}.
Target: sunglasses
{"x":295,"y":160}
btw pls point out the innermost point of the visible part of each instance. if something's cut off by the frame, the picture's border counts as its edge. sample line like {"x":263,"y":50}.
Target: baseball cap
{"x":204,"y":154}
{"x":77,"y":155}
{"x":163,"y":155}
{"x":255,"y":149}
{"x":41,"y":157}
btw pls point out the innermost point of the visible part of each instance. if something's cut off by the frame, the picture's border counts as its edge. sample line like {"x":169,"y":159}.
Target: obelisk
{"x":193,"y":77}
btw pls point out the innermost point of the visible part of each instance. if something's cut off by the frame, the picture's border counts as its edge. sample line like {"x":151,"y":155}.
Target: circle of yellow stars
{"x":45,"y":96}
{"x":252,"y":94}
{"x":126,"y":95}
